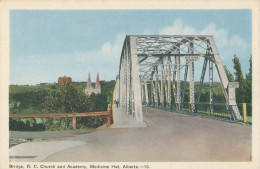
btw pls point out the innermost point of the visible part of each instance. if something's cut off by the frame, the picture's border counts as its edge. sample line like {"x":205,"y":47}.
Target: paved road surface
{"x":39,"y":151}
{"x":168,"y":137}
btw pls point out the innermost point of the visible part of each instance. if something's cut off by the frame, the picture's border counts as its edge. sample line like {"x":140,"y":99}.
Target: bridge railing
{"x":220,"y":110}
{"x":108,"y":113}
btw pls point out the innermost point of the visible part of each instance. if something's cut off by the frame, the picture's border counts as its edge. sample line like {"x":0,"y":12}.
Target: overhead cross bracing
{"x":157,"y":71}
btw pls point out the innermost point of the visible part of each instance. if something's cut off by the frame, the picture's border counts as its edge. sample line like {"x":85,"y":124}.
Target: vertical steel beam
{"x":159,"y":88}
{"x":166,"y":92}
{"x":185,"y":84}
{"x":169,"y":75}
{"x":162,"y":84}
{"x":156,"y":88}
{"x":130,"y":109}
{"x":155,"y":92}
{"x":120,"y":87}
{"x":191,"y":79}
{"x":174,"y":83}
{"x":151,"y":93}
{"x":123,"y":82}
{"x":146,"y":93}
{"x":178,"y":81}
{"x":132,"y":103}
{"x":128,"y":80}
{"x":204,"y":68}
{"x":142,"y":94}
{"x":211,"y":87}
{"x":136,"y":81}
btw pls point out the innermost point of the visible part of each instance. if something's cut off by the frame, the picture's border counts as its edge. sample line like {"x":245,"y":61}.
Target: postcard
{"x":127,"y":84}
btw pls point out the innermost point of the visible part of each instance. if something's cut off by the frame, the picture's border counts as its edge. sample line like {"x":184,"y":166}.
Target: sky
{"x":47,"y":44}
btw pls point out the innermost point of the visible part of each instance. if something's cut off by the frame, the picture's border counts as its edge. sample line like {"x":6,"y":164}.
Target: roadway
{"x":168,"y":137}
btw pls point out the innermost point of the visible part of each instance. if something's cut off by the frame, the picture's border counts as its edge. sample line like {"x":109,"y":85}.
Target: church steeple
{"x":97,"y":82}
{"x":89,"y":89}
{"x":98,"y":86}
{"x":89,"y":81}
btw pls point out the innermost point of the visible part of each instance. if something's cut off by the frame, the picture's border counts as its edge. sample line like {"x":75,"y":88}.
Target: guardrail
{"x":220,"y":110}
{"x":73,"y":115}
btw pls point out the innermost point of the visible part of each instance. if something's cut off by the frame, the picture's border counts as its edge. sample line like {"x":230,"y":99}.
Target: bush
{"x":54,"y":124}
{"x":52,"y":99}
{"x":19,"y":125}
{"x":91,"y":122}
{"x":68,"y":100}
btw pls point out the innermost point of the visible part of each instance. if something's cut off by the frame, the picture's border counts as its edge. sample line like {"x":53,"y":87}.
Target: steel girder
{"x":178,"y":81}
{"x":184,"y":88}
{"x":162,"y":90}
{"x":211,"y":85}
{"x":146,"y":67}
{"x":169,"y":79}
{"x":151,"y":93}
{"x":201,"y":83}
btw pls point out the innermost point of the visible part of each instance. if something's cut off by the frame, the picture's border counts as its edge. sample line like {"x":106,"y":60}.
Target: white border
{"x":5,"y":6}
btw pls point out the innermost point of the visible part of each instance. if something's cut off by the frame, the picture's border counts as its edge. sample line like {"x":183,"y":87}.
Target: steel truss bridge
{"x":157,"y":71}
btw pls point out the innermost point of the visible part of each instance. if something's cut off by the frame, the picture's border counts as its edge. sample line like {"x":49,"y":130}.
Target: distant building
{"x":64,"y":80}
{"x":89,"y":89}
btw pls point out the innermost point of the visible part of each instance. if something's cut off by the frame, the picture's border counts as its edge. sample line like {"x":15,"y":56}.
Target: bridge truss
{"x":156,"y":70}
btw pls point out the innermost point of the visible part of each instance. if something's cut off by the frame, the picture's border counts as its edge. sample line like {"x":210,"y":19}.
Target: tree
{"x":229,"y":74}
{"x":100,"y":101}
{"x":238,"y":70}
{"x":68,"y":99}
{"x":240,"y":92}
{"x":248,"y":82}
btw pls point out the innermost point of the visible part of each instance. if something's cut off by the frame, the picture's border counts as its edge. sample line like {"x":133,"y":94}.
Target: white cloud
{"x":113,"y":50}
{"x":104,"y":60}
{"x":109,"y":51}
{"x":237,"y":41}
{"x":178,"y":28}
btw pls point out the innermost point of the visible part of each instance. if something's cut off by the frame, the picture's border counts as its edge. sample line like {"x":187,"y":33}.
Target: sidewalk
{"x":123,"y":120}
